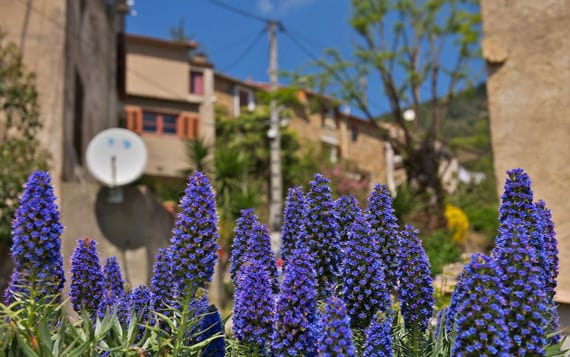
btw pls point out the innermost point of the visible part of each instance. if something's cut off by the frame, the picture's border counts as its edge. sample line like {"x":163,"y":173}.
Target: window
{"x":183,"y":125}
{"x":329,"y":118}
{"x":196,"y":82}
{"x":354,"y":132}
{"x":78,"y":119}
{"x":243,"y":98}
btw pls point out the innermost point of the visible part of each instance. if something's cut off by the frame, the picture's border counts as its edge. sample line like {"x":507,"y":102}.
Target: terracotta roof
{"x":161,"y":42}
{"x":246,"y":83}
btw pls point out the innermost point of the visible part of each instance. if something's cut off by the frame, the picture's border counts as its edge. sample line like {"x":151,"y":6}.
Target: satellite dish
{"x":116,"y":157}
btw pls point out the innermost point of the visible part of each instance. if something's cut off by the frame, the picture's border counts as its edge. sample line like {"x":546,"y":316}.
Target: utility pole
{"x":276,"y":189}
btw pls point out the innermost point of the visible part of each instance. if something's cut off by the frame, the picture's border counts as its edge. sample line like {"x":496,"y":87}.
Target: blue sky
{"x":225,"y":36}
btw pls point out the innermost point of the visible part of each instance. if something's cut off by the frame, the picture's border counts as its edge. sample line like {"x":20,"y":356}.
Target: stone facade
{"x":527,"y":49}
{"x":75,"y":49}
{"x":161,"y":103}
{"x":342,"y":137}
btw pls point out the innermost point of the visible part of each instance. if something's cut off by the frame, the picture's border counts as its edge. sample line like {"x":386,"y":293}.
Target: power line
{"x":301,"y":46}
{"x":246,"y":51}
{"x":235,"y":43}
{"x":239,"y":11}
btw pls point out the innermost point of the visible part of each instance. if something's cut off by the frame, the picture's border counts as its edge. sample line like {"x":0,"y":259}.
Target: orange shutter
{"x":195,"y":127}
{"x":134,"y":118}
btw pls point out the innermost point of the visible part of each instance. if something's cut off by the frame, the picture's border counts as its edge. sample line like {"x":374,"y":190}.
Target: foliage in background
{"x":404,"y":43}
{"x":441,"y":250}
{"x":468,"y":134}
{"x":20,"y":123}
{"x":457,"y":223}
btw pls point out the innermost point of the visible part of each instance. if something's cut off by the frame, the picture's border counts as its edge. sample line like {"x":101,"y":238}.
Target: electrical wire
{"x":246,"y":51}
{"x":233,"y":44}
{"x":239,"y":11}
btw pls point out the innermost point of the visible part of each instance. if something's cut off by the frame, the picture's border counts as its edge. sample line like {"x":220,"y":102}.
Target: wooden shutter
{"x":134,"y":118}
{"x":188,"y":126}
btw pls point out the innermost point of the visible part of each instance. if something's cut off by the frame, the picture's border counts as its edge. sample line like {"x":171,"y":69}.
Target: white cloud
{"x":280,"y":7}
{"x":265,"y":6}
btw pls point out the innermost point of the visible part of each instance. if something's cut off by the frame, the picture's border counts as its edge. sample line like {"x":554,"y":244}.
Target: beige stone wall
{"x":158,"y":71}
{"x":158,"y":79}
{"x":527,"y":47}
{"x":223,"y":91}
{"x":91,"y":61}
{"x":40,"y":33}
{"x":367,"y":151}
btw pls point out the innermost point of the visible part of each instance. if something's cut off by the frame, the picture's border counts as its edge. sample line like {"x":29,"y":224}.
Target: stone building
{"x":527,"y":50}
{"x":168,"y":100}
{"x":320,"y":123}
{"x":76,"y":50}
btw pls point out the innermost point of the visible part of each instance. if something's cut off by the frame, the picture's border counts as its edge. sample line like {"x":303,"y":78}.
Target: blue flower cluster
{"x":364,"y":286}
{"x":516,"y":204}
{"x":36,"y":247}
{"x":347,"y":210}
{"x":524,"y":266}
{"x":458,"y":296}
{"x":193,"y":243}
{"x":212,"y":326}
{"x":415,"y":290}
{"x":293,"y":230}
{"x":86,"y":290}
{"x":523,"y":287}
{"x":253,"y":244}
{"x":480,"y":319}
{"x":383,"y":221}
{"x":322,"y":234}
{"x":245,"y":226}
{"x":295,"y":311}
{"x":139,"y":303}
{"x":163,"y":296}
{"x":336,"y":336}
{"x":545,"y":227}
{"x":378,"y":337}
{"x":254,"y":308}
{"x":113,"y":281}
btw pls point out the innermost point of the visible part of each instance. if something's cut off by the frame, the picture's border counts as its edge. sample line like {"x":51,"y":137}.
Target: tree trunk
{"x":422,"y":170}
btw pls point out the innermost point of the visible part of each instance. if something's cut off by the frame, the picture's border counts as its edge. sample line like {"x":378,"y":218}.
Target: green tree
{"x":404,"y":43}
{"x":20,"y":123}
{"x":20,"y":151}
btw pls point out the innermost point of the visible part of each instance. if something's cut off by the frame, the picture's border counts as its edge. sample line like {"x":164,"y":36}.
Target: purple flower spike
{"x":113,"y":278}
{"x":322,"y":234}
{"x":336,"y":336}
{"x":86,"y":290}
{"x":36,"y":248}
{"x":347,"y":210}
{"x":383,"y":221}
{"x":364,"y":289}
{"x":415,"y":288}
{"x":253,"y":244}
{"x":295,"y":316}
{"x":254,"y":308}
{"x":378,"y":337}
{"x":524,"y":291}
{"x":293,"y":232}
{"x":481,"y":328}
{"x":193,"y":243}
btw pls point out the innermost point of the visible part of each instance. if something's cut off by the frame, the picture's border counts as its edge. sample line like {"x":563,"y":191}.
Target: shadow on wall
{"x":138,"y":221}
{"x":133,"y":230}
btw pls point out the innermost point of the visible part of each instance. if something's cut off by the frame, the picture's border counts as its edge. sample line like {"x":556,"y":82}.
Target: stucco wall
{"x":159,"y":72}
{"x":91,"y":59}
{"x":40,"y":33}
{"x":527,"y":47}
{"x":367,"y":151}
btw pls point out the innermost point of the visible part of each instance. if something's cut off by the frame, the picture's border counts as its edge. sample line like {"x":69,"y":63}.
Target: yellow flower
{"x":457,"y":222}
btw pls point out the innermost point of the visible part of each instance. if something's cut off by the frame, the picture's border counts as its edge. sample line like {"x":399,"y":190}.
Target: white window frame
{"x":250,"y":99}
